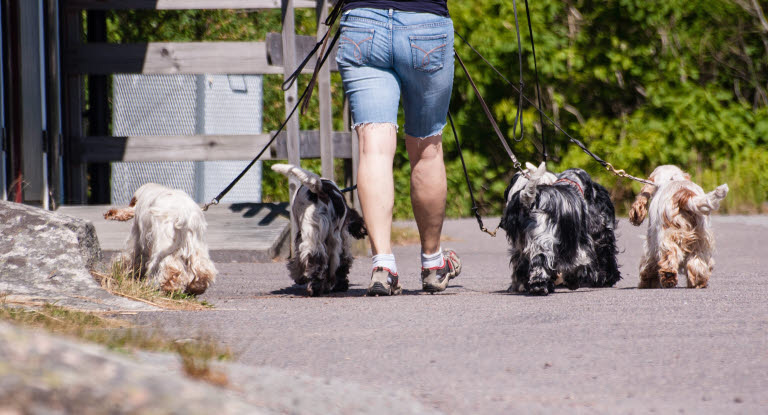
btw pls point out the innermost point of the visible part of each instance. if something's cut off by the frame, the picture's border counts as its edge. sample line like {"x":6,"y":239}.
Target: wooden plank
{"x":3,"y":144}
{"x":75,"y":5}
{"x":247,"y":58}
{"x":30,"y":99}
{"x":173,"y":148}
{"x":53,"y":97}
{"x":290,"y":98}
{"x":98,"y":117}
{"x":304,"y":45}
{"x":72,"y":92}
{"x":310,"y":145}
{"x":324,"y":100}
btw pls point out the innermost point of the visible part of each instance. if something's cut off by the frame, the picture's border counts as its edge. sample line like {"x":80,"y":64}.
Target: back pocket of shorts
{"x":355,"y":46}
{"x":428,"y":52}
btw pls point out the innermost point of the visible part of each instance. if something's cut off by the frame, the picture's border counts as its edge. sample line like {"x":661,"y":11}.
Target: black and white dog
{"x":601,"y":223}
{"x":324,"y":222}
{"x":550,"y":222}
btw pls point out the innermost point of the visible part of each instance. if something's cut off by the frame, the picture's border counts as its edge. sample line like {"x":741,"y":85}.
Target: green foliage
{"x":640,"y":83}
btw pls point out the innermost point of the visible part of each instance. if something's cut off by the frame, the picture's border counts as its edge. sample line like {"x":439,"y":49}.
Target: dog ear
{"x":530,"y":166}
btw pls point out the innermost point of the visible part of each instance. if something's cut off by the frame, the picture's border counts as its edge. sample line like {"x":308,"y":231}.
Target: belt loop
{"x":391,"y":12}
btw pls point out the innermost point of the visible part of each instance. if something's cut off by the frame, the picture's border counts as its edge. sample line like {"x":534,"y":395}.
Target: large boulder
{"x":47,"y":257}
{"x":44,"y":374}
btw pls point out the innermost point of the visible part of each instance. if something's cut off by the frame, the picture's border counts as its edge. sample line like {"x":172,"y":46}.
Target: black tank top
{"x":439,"y":7}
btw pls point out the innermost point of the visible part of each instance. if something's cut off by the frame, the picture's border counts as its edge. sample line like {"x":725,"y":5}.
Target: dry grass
{"x":121,"y":335}
{"x":122,"y":280}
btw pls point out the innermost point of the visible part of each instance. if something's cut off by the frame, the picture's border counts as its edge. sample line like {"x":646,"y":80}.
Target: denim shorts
{"x":384,"y":54}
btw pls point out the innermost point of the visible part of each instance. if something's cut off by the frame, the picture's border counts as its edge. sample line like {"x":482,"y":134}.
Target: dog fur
{"x":601,"y":224}
{"x":546,"y":226}
{"x":679,"y":239}
{"x":324,"y":221}
{"x":167,"y":241}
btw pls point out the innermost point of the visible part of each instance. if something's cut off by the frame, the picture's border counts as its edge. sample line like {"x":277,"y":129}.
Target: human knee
{"x":427,"y":149}
{"x":377,"y":138}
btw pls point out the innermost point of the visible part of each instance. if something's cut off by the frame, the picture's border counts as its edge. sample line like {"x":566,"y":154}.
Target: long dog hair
{"x":547,"y":229}
{"x":679,"y":240}
{"x":324,"y":222}
{"x":167,"y":241}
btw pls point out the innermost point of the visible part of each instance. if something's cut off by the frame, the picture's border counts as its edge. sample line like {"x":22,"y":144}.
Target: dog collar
{"x":572,"y":183}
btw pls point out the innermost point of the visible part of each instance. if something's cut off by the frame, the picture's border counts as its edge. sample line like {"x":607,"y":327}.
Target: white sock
{"x":385,"y":261}
{"x":432,"y":260}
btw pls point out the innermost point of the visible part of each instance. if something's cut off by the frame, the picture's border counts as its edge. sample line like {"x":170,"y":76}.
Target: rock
{"x":47,"y":257}
{"x":43,"y":374}
{"x":40,"y":373}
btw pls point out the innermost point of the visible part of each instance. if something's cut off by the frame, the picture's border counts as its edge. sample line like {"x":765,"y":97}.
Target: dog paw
{"x":637,"y":213}
{"x":315,"y":288}
{"x":538,"y":288}
{"x":668,"y":279}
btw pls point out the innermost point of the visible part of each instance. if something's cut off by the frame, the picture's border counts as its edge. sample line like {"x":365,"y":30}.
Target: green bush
{"x":641,"y":83}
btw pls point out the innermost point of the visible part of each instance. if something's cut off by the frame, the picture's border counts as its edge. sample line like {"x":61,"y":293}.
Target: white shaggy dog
{"x":324,"y":222}
{"x":679,"y":239}
{"x":167,"y":241}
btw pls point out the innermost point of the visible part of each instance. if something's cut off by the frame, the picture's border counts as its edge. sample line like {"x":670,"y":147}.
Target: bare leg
{"x":375,"y":184}
{"x":428,"y":188}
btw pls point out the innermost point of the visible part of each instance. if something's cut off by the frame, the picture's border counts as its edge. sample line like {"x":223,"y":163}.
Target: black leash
{"x":518,"y":113}
{"x":475,"y":208}
{"x":348,"y":189}
{"x":605,"y":164}
{"x":488,"y":114}
{"x":538,"y":87}
{"x":302,"y":101}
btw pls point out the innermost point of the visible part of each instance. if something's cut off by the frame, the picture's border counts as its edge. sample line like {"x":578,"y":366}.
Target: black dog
{"x":601,"y":223}
{"x":549,"y":229}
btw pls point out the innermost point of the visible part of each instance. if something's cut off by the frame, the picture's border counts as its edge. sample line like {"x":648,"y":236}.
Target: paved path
{"x":476,"y":349}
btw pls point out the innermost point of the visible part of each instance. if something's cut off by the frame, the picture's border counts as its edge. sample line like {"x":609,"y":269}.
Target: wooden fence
{"x":277,"y":55}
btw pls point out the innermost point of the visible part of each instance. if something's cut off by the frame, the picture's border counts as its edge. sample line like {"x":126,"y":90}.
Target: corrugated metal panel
{"x":187,"y":105}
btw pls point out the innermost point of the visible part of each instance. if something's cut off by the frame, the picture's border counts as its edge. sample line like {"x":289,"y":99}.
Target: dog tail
{"x":307,"y":178}
{"x":710,"y":202}
{"x":528,"y":194}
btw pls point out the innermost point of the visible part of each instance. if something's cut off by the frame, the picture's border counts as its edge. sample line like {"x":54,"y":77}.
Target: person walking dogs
{"x":390,"y":49}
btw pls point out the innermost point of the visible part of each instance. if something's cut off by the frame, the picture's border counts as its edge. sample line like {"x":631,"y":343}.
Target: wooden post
{"x":291,"y":96}
{"x":324,"y":98}
{"x":72,"y":92}
{"x":352,"y":163}
{"x":29,"y":95}
{"x":53,"y":97}
{"x":98,"y":117}
{"x":3,"y":144}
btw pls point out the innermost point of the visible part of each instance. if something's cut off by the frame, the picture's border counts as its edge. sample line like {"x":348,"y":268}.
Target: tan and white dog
{"x":167,"y":241}
{"x":679,"y":239}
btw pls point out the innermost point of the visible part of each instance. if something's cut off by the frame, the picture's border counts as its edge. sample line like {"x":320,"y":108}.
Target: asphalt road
{"x":477,"y":349}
